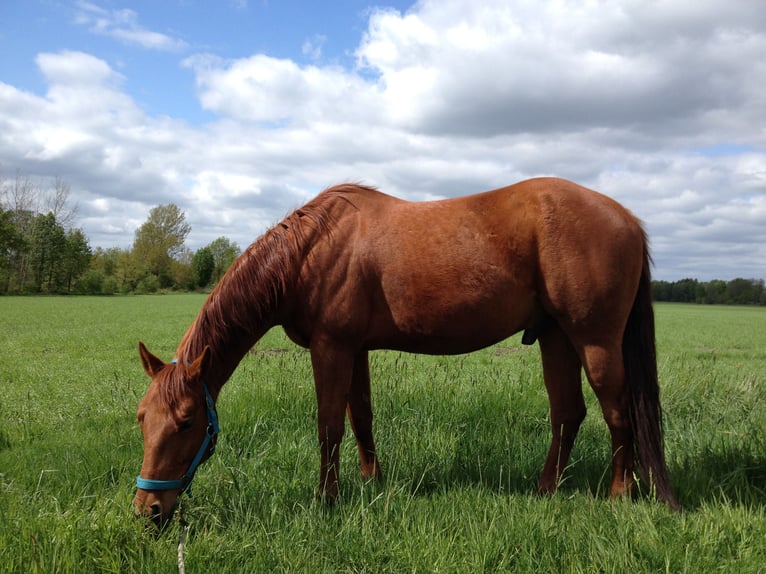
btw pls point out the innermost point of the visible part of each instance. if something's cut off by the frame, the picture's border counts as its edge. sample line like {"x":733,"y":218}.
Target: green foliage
{"x":109,"y":287}
{"x":106,"y":260}
{"x":160,"y":239}
{"x":182,"y":273}
{"x":47,"y":245}
{"x":159,"y":260}
{"x":203,"y":266}
{"x":39,"y":251}
{"x":10,"y":238}
{"x":224,"y":253}
{"x":76,"y":257}
{"x":735,"y":292}
{"x":148,"y":284}
{"x":91,"y":283}
{"x":128,"y":271}
{"x":462,"y":440}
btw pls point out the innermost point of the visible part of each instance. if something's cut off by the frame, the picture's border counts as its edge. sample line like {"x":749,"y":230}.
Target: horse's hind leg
{"x":561,"y":369}
{"x":360,"y":415}
{"x":604,"y":368}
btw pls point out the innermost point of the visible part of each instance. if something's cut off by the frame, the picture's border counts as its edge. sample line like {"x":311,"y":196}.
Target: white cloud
{"x":312,"y":47}
{"x":558,"y":66}
{"x":657,"y":104}
{"x":122,"y":24}
{"x":278,"y":91}
{"x":75,"y":68}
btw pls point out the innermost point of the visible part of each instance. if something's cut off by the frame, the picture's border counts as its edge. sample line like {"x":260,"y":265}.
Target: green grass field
{"x":461,"y":439}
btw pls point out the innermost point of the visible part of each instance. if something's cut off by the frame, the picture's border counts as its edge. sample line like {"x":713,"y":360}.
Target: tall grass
{"x":462,"y":441}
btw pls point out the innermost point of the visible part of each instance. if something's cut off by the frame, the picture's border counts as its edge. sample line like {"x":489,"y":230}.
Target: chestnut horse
{"x":355,"y":270}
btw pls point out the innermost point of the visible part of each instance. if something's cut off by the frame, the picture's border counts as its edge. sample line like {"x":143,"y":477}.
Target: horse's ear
{"x":151,"y":364}
{"x":201,"y":363}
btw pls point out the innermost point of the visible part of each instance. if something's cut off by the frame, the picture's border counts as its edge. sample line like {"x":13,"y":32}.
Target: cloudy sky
{"x":238,"y":111}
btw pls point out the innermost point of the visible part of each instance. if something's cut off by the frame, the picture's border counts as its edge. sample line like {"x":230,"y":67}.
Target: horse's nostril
{"x":156,"y":510}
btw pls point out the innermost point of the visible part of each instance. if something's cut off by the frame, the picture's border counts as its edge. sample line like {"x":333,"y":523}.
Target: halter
{"x":184,"y":482}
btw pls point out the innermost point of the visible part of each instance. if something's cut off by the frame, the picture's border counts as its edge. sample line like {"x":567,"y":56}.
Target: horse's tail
{"x":640,"y":359}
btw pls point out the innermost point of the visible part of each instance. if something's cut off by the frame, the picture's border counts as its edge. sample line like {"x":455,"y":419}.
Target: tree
{"x":56,"y":201}
{"x":10,"y":238}
{"x":20,"y":197}
{"x":127,"y":271}
{"x":76,"y":258}
{"x":224,"y":253}
{"x":161,"y":239}
{"x":684,"y":291}
{"x":11,"y":242}
{"x":47,"y":247}
{"x":181,"y":270}
{"x":41,"y":216}
{"x":715,"y":291}
{"x":759,"y":291}
{"x":203,"y":266}
{"x":105,"y":260}
{"x":740,"y":291}
{"x":661,"y":290}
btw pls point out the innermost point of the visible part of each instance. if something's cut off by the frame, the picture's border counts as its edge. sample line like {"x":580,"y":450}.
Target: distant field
{"x":462,"y":441}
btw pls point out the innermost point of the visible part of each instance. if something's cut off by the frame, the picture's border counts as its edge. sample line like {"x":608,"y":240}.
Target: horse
{"x":355,"y":270}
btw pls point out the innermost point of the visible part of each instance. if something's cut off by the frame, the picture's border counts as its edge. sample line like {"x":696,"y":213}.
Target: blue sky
{"x":240,"y":110}
{"x":146,"y":40}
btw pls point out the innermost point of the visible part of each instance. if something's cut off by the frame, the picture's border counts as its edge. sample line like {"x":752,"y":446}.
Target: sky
{"x":239,"y":111}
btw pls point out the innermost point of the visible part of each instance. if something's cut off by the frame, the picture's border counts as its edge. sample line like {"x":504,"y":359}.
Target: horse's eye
{"x":184,"y":426}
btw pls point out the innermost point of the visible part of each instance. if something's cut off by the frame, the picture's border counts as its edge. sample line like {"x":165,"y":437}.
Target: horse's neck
{"x":228,"y":347}
{"x":241,"y":309}
{"x":247,"y":301}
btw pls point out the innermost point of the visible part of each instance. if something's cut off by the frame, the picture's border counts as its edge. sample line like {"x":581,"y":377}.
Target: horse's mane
{"x":257,"y":281}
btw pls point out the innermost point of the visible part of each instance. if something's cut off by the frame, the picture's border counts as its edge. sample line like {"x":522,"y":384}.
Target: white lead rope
{"x":181,"y":544}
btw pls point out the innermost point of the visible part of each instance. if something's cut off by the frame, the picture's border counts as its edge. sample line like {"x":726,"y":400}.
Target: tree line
{"x":42,"y":252}
{"x":716,"y":292}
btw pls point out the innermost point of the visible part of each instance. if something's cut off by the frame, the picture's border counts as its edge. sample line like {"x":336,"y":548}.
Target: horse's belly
{"x":455,"y":325}
{"x":443,"y":345}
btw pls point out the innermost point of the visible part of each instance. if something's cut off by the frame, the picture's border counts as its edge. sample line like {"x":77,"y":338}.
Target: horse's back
{"x":458,"y":274}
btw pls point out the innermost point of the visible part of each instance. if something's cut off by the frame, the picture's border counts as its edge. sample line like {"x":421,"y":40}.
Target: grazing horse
{"x":355,"y":270}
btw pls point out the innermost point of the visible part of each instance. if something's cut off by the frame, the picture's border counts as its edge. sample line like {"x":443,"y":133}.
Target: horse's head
{"x":179,"y":424}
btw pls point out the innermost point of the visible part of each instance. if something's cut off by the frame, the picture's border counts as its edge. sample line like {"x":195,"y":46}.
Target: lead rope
{"x":184,"y":533}
{"x":181,"y":544}
{"x":182,"y":538}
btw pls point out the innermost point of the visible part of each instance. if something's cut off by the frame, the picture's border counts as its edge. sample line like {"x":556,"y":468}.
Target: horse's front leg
{"x":360,"y":415}
{"x":333,"y":367}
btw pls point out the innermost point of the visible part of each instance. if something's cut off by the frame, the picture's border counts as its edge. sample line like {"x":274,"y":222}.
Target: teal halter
{"x":184,"y":482}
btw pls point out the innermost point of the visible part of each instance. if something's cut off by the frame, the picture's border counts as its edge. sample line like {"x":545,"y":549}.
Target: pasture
{"x":462,"y":441}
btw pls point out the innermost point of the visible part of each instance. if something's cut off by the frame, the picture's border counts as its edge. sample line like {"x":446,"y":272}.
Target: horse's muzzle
{"x":147,"y":505}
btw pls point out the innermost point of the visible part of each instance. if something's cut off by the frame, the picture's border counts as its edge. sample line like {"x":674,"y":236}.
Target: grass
{"x":462,"y":441}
